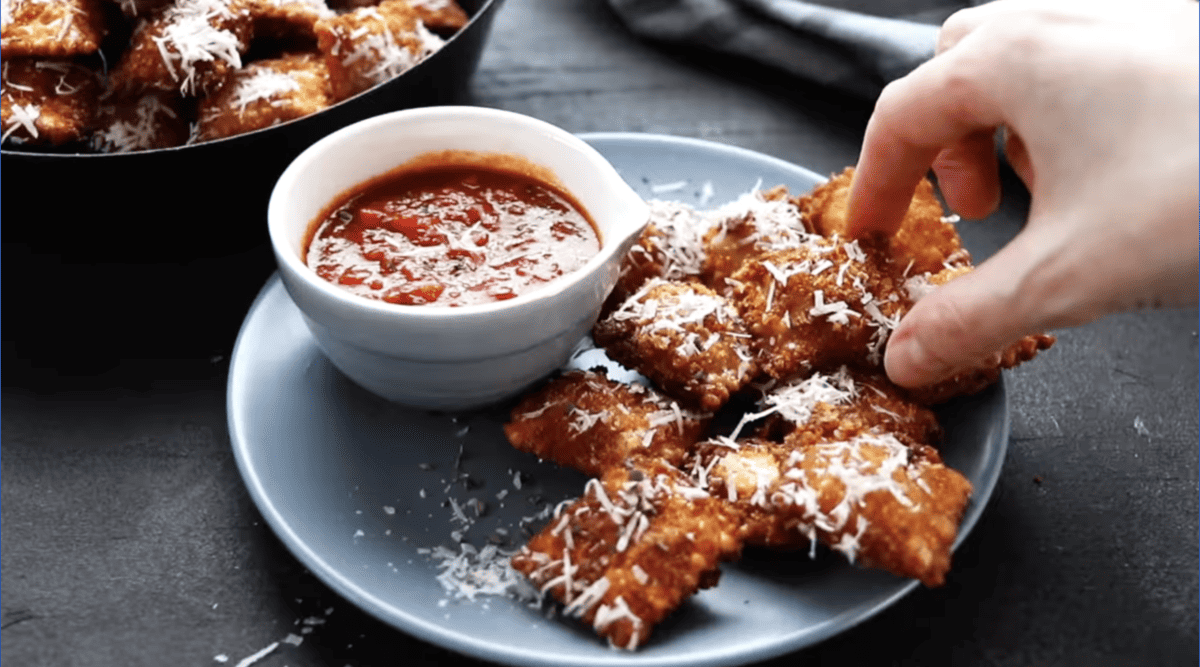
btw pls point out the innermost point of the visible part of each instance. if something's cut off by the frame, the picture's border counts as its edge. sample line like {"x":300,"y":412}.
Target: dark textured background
{"x":128,"y":537}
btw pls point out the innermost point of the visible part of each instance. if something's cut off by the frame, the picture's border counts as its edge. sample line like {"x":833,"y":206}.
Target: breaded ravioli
{"x":370,"y":45}
{"x":819,"y":306}
{"x":840,"y":405}
{"x":441,"y":16}
{"x":745,"y":473}
{"x":834,"y":453}
{"x":265,"y":93}
{"x":878,"y":502}
{"x":52,"y":28}
{"x":685,"y":337}
{"x":874,"y":499}
{"x":143,"y":121}
{"x":987,"y":371}
{"x":749,"y":227}
{"x":585,"y":421}
{"x":638,"y":543}
{"x":925,"y":242}
{"x":288,"y":21}
{"x":671,"y":247}
{"x":191,"y":46}
{"x":47,"y":101}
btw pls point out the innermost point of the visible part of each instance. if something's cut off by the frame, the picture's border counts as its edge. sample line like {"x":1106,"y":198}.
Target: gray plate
{"x":357,"y":487}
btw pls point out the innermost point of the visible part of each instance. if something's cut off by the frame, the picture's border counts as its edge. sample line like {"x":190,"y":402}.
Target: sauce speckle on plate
{"x":451,"y":236}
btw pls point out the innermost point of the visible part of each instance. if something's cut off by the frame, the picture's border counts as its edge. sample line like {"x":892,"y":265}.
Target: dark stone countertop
{"x":128,"y":537}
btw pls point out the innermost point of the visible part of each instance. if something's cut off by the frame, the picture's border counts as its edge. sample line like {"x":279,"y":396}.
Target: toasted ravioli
{"x":985,"y":374}
{"x":819,"y":306}
{"x":442,"y":16}
{"x":987,"y":371}
{"x":925,"y":242}
{"x":191,"y":46}
{"x":585,"y":421}
{"x":773,"y":299}
{"x":843,"y":404}
{"x":749,"y":227}
{"x":671,"y":247}
{"x":141,"y":121}
{"x":370,"y":45}
{"x":874,"y":499}
{"x":745,"y":473}
{"x":47,"y":101}
{"x":685,"y":337}
{"x":265,"y":93}
{"x":52,"y":28}
{"x":878,"y":502}
{"x":288,"y":21}
{"x":629,"y":552}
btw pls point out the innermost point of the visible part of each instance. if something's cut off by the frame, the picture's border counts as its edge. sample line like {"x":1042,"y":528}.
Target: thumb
{"x":961,"y":324}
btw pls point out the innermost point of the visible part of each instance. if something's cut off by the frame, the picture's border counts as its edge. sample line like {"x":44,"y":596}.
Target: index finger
{"x":939,"y":104}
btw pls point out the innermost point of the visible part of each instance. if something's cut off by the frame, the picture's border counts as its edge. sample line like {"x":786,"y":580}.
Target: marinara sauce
{"x":451,"y":236}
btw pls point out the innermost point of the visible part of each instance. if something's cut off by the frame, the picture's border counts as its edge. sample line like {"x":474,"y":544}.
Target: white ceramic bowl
{"x":439,"y":356}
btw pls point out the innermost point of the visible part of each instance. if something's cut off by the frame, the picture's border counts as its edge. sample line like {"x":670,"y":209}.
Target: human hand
{"x":1099,"y":104}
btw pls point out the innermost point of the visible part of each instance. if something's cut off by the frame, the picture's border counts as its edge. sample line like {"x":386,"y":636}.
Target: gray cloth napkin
{"x":857,"y":46}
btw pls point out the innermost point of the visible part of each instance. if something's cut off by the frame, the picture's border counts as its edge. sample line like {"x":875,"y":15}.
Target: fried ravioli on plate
{"x":747,"y":228}
{"x":670,"y":247}
{"x":925,"y":242}
{"x":840,"y":405}
{"x":638,"y":543}
{"x":878,"y":502}
{"x":585,"y":421}
{"x":685,"y":337}
{"x":818,"y":306}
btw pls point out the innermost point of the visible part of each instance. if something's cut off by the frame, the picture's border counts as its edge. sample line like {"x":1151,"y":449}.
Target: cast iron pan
{"x":159,"y":253}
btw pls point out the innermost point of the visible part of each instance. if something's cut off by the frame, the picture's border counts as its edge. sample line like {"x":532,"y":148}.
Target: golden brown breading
{"x":878,"y":502}
{"x":925,"y":238}
{"x":745,"y":473}
{"x":988,"y":370}
{"x":290,"y":21}
{"x":841,"y":405}
{"x":443,"y":16}
{"x":631,"y":550}
{"x":987,"y":374}
{"x":191,"y":46}
{"x":874,"y":499}
{"x":819,"y":306}
{"x":265,"y":93}
{"x":747,"y":228}
{"x":685,"y":337}
{"x":373,"y":44}
{"x":151,"y":120}
{"x":47,"y":101}
{"x":52,"y":28}
{"x":585,"y":421}
{"x":670,"y":247}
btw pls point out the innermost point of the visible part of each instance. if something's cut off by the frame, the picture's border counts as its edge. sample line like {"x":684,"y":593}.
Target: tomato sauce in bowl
{"x":451,"y":235}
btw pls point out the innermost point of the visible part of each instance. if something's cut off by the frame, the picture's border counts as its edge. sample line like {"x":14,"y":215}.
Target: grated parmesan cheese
{"x":190,"y":35}
{"x":23,"y":116}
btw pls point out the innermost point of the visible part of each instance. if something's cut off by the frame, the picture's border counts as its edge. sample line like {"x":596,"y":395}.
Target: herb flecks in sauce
{"x":451,"y":236}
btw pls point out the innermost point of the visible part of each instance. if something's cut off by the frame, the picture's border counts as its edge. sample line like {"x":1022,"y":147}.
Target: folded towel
{"x":856,"y":47}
